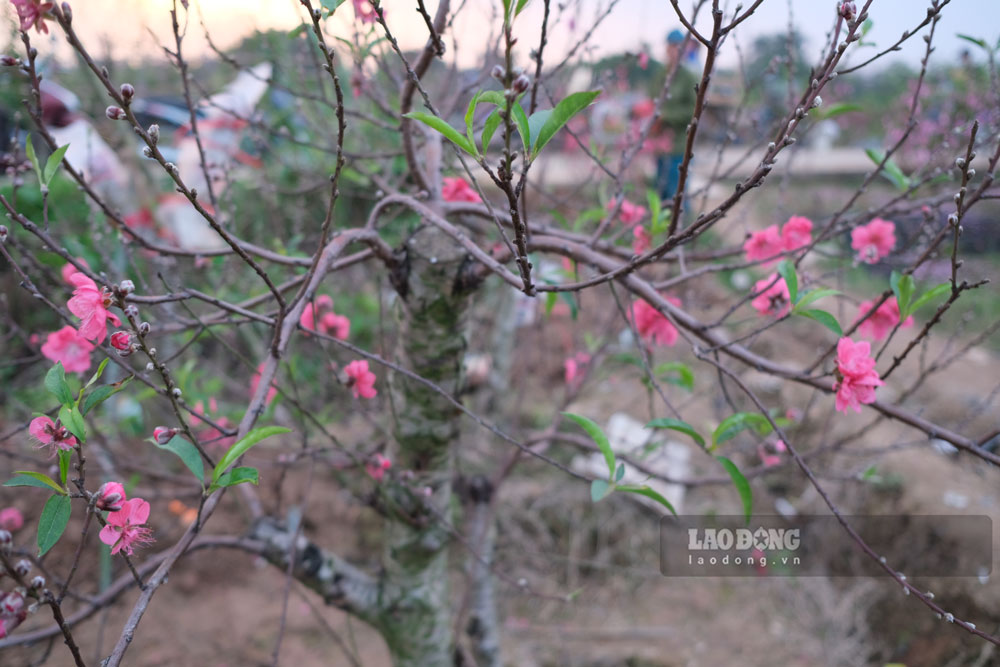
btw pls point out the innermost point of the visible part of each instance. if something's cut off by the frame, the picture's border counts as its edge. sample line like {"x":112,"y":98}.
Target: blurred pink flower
{"x":255,"y":382}
{"x":125,"y":528}
{"x":643,"y":60}
{"x":882,"y":320}
{"x":91,"y":306}
{"x":11,"y":519}
{"x":68,"y":347}
{"x":629,"y":213}
{"x":68,"y":269}
{"x":769,"y":460}
{"x":641,"y":240}
{"x":573,"y":368}
{"x":47,"y":434}
{"x":856,"y":375}
{"x":30,"y":13}
{"x":458,"y":189}
{"x":797,"y":232}
{"x":365,"y":11}
{"x":377,"y":467}
{"x":763,"y":244}
{"x":362,"y":380}
{"x":874,"y":240}
{"x":330,"y":323}
{"x":773,"y":300}
{"x":210,"y":434}
{"x":651,"y":324}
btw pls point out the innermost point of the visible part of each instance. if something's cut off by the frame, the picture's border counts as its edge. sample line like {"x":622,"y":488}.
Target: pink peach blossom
{"x":769,"y":460}
{"x":31,"y":13}
{"x":11,"y":519}
{"x":255,"y":382}
{"x":361,"y":380}
{"x":882,"y":321}
{"x":308,"y":318}
{"x":856,"y":375}
{"x":125,"y":529}
{"x":797,"y":232}
{"x":573,"y":368}
{"x":377,"y":467}
{"x":763,"y":244}
{"x":629,"y":213}
{"x":68,"y":269}
{"x":91,"y":306}
{"x":458,"y":189}
{"x":773,"y":300}
{"x":641,"y":240}
{"x":68,"y":347}
{"x":874,"y":240}
{"x":49,"y":435}
{"x":651,"y":324}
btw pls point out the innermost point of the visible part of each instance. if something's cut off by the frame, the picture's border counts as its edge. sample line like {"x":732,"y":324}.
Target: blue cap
{"x":675,"y":37}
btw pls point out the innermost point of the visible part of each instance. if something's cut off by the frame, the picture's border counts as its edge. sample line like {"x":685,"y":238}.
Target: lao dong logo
{"x":743,"y":539}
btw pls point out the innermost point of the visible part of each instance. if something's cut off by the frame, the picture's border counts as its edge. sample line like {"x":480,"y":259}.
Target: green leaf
{"x":31,"y":478}
{"x":813,"y":295}
{"x":492,"y":123}
{"x":731,"y":426}
{"x":649,"y":493}
{"x":620,"y":472}
{"x":568,"y":107}
{"x":523,"y":127}
{"x":786,"y":269}
{"x":236,"y":476}
{"x":52,"y":164}
{"x":96,"y":376}
{"x":685,"y":376}
{"x":240,"y":448}
{"x":902,"y":286}
{"x":52,"y":523}
{"x":65,"y":456}
{"x":741,"y":484}
{"x":536,"y":122}
{"x":597,"y":435}
{"x":470,"y":114}
{"x":73,"y":420}
{"x":103,"y":393}
{"x":521,"y":4}
{"x":824,"y":318}
{"x":331,"y":5}
{"x":677,"y":425}
{"x":188,"y":454}
{"x":444,"y":128}
{"x":29,"y":149}
{"x":550,"y":302}
{"x":839,"y":109}
{"x":926,"y":298}
{"x":55,"y":383}
{"x":981,"y":43}
{"x":599,"y":489}
{"x":891,"y":170}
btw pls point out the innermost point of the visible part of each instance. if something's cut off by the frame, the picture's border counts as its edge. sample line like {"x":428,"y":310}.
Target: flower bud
{"x":521,"y":83}
{"x":176,"y":391}
{"x":154,"y":133}
{"x":5,"y":537}
{"x":848,"y":10}
{"x":3,"y":233}
{"x":162,"y":434}
{"x":8,"y":61}
{"x":131,"y":311}
{"x":497,"y":72}
{"x":115,"y":113}
{"x":144,"y":328}
{"x":126,"y":286}
{"x":111,"y":495}
{"x":121,"y":340}
{"x":38,"y":581}
{"x":147,"y":151}
{"x":23,"y":567}
{"x":127,"y":91}
{"x":13,"y":603}
{"x":67,"y":12}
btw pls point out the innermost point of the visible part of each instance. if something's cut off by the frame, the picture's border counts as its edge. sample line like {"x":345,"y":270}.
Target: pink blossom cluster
{"x":628,"y":213}
{"x":125,"y":528}
{"x":770,"y":242}
{"x":329,"y":322}
{"x":874,"y":240}
{"x":360,"y":379}
{"x":773,"y":299}
{"x":653,"y":325}
{"x":574,"y":367}
{"x":51,"y":434}
{"x":377,"y":467}
{"x":856,"y":375}
{"x":883,"y":320}
{"x":365,"y":12}
{"x":458,"y":189}
{"x":772,"y":458}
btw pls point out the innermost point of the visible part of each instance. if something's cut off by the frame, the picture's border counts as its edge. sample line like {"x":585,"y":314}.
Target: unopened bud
{"x":162,"y":434}
{"x":121,"y":340}
{"x":8,"y":61}
{"x":150,"y":367}
{"x":127,"y":91}
{"x":144,"y":328}
{"x":115,"y":113}
{"x":67,"y":12}
{"x":126,"y":286}
{"x":38,"y":581}
{"x":497,"y":72}
{"x":111,"y":495}
{"x":147,"y":151}
{"x":131,"y":310}
{"x":521,"y":83}
{"x":154,"y":133}
{"x":3,"y":233}
{"x":22,"y":568}
{"x":176,"y":391}
{"x":848,"y":10}
{"x":5,"y":537}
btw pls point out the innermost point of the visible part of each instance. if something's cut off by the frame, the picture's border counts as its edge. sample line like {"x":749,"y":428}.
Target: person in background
{"x":675,"y":113}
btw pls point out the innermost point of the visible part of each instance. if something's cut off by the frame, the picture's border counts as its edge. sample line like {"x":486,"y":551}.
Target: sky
{"x":133,"y":28}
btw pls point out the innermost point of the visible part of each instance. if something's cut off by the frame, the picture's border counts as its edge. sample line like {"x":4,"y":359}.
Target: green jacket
{"x":678,"y":107}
